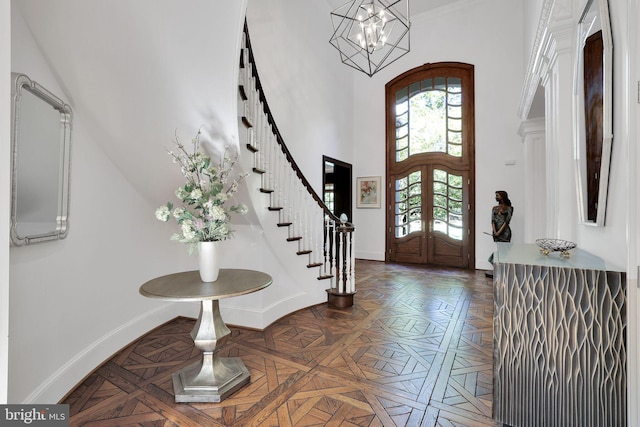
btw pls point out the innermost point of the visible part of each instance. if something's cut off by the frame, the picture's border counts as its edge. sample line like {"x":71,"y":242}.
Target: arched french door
{"x":430,"y":166}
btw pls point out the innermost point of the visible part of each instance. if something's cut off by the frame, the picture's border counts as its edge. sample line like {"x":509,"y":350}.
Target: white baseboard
{"x":54,"y":388}
{"x":373,"y":256}
{"x":260,"y":319}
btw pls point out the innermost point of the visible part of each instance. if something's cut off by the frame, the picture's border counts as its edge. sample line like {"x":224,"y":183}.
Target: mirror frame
{"x":21,"y":83}
{"x":594,"y":10}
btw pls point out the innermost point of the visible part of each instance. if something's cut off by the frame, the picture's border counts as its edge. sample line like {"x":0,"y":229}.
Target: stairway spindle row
{"x":319,"y":235}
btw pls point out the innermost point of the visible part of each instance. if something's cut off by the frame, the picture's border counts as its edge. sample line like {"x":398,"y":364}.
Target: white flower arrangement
{"x":203,"y":216}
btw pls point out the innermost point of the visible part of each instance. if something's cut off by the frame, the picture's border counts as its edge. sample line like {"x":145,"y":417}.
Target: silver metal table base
{"x":198,"y":383}
{"x":212,"y":378}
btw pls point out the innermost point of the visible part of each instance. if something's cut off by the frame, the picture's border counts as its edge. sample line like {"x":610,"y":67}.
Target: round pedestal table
{"x":212,"y":378}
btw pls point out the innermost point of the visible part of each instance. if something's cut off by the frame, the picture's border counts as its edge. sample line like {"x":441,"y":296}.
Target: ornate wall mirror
{"x":593,"y":89}
{"x":40,"y":138}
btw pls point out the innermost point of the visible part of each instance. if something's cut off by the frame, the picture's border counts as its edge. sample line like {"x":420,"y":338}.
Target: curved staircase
{"x":287,"y":206}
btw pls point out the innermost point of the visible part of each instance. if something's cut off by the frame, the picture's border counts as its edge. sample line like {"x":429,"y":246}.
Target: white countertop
{"x":529,"y":254}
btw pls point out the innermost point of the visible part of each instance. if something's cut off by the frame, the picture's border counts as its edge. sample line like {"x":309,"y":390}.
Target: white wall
{"x":610,"y":242}
{"x":133,"y":72}
{"x":5,"y":193}
{"x":306,"y":85}
{"x":555,"y":63}
{"x":632,"y":132}
{"x":487,"y":34}
{"x":617,"y":241}
{"x":532,"y":10}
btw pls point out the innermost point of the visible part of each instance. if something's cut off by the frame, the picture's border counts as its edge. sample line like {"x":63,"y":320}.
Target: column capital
{"x":531,"y":127}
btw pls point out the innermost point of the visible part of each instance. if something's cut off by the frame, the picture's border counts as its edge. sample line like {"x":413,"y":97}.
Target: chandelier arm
{"x":370,"y":34}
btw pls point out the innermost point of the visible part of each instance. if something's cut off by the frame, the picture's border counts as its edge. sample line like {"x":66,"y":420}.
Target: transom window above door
{"x":429,"y":118}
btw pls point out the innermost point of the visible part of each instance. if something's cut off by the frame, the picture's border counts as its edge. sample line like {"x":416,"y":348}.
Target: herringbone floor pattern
{"x":414,"y":350}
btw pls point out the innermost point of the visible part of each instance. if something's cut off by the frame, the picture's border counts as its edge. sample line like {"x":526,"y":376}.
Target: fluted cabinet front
{"x":559,"y":345}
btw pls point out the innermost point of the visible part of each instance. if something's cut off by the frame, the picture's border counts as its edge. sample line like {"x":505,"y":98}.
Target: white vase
{"x":208,"y":261}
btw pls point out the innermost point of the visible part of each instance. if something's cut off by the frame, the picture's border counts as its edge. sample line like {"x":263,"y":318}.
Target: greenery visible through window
{"x":429,"y":113}
{"x":408,"y":207}
{"x":447,"y":204}
{"x":429,"y":118}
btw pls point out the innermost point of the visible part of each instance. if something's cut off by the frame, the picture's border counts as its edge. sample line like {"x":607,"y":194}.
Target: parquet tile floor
{"x":414,"y":350}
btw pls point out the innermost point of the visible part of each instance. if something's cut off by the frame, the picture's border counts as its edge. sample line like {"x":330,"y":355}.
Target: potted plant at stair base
{"x":203,"y":215}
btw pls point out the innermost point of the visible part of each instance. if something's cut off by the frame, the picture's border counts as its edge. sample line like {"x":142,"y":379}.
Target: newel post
{"x":342,"y":290}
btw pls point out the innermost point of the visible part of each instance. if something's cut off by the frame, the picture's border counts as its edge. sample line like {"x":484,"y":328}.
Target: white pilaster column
{"x":557,"y":79}
{"x":535,"y":181}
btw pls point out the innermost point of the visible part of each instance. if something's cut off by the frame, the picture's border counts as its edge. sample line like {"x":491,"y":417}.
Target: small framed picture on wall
{"x":368,"y":191}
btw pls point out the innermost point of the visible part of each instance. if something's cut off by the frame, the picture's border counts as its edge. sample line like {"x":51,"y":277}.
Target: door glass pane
{"x":429,"y":118}
{"x":454,"y":116}
{"x":402,"y":124}
{"x":408,"y":204}
{"x":447,"y":204}
{"x":428,"y":123}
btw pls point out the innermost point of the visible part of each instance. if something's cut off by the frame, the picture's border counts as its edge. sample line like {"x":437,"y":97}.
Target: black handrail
{"x":276,"y":132}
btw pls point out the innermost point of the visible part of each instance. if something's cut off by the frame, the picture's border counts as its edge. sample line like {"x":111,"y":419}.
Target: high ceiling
{"x":416,"y":7}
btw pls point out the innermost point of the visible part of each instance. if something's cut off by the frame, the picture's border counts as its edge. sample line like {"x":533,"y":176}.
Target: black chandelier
{"x":371,"y":34}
